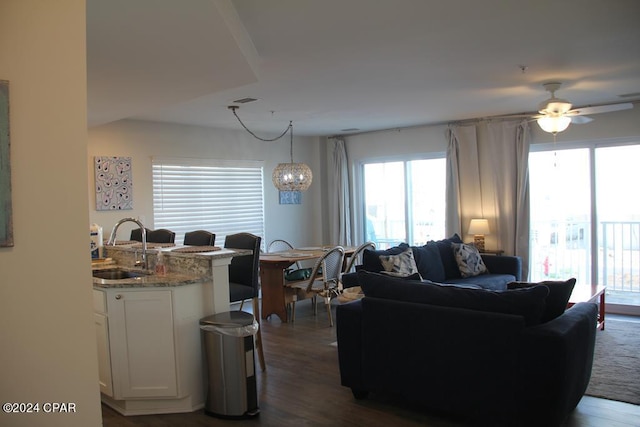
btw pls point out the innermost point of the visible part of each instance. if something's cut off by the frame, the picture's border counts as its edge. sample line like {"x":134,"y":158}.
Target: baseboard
{"x":628,"y":310}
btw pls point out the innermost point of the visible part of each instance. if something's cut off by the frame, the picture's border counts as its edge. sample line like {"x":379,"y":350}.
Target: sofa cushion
{"x":526,"y":302}
{"x":428,"y":261}
{"x":448,"y":259}
{"x":371,"y":258}
{"x":469,"y":260}
{"x":401,"y":265}
{"x":494,"y":282}
{"x":556,"y":301}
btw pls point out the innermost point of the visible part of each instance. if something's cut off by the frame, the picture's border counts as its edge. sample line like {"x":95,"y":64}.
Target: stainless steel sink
{"x":117,"y":274}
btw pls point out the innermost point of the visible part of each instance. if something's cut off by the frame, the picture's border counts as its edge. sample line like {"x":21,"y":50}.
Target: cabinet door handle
{"x":118,"y":296}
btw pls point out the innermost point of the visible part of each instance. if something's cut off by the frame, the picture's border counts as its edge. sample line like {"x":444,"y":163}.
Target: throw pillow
{"x":401,"y":265}
{"x":528,"y":303}
{"x":429,"y":262}
{"x":371,"y":258}
{"x":556,"y":301}
{"x":468,"y":260}
{"x":449,"y":264}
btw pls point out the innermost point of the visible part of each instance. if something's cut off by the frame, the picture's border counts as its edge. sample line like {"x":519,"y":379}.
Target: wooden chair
{"x":161,"y":235}
{"x":357,"y":256}
{"x":199,"y":238}
{"x":326,"y":285}
{"x":243,"y":278}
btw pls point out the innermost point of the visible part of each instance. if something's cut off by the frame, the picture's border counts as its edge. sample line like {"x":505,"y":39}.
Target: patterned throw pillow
{"x":469,"y":260}
{"x":402,"y":264}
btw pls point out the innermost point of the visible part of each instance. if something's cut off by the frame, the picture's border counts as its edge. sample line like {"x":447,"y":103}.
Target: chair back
{"x":331,"y":265}
{"x":136,"y":234}
{"x":357,"y":255}
{"x":161,"y":235}
{"x":243,"y":270}
{"x":279,"y":245}
{"x":199,"y":238}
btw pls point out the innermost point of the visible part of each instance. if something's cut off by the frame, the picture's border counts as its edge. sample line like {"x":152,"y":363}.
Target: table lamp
{"x":479,"y":228}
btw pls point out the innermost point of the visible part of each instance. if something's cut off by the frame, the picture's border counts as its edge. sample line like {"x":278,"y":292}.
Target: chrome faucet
{"x":112,"y":240}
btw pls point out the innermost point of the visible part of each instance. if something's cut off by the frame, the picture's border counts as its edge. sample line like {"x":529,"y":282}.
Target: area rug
{"x":616,"y":365}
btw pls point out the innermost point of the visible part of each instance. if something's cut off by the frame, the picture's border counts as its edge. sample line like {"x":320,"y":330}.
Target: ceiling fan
{"x":556,"y":114}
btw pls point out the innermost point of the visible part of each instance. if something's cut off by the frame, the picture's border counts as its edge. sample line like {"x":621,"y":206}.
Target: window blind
{"x":223,"y":197}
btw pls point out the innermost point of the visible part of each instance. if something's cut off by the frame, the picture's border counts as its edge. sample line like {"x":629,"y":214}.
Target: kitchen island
{"x":149,"y":349}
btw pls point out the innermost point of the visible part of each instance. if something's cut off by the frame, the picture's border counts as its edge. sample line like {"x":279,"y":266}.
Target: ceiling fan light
{"x":554,"y":124}
{"x":554,"y":106}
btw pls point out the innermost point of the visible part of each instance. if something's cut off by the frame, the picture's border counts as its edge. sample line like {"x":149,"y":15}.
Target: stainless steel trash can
{"x":227,"y":339}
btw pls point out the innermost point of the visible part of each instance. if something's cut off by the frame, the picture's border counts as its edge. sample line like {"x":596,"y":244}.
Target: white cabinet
{"x":104,"y":359}
{"x":149,"y":346}
{"x":141,"y":340}
{"x":102,"y":335}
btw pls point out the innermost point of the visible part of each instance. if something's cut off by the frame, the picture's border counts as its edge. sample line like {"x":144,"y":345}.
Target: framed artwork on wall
{"x":6,"y":215}
{"x":114,"y":184}
{"x":290,"y":197}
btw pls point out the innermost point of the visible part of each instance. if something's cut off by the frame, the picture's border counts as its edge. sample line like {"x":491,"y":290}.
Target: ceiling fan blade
{"x":578,"y":120}
{"x":600,"y":109}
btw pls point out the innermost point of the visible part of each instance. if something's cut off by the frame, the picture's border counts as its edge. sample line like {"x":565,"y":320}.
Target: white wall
{"x":46,"y":333}
{"x":141,"y":140}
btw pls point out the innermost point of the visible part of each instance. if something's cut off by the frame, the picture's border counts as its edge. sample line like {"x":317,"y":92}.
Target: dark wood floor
{"x":301,"y":387}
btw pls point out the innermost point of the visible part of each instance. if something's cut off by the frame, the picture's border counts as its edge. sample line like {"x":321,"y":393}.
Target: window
{"x":585,"y":219}
{"x":224,"y":197}
{"x":404,"y":201}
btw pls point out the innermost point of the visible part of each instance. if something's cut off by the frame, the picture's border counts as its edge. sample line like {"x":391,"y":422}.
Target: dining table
{"x":273,"y":266}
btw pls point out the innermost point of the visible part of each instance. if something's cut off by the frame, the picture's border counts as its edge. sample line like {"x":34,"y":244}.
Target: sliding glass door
{"x":404,"y":201}
{"x":560,"y":215}
{"x":585,"y":218}
{"x":618,"y":213}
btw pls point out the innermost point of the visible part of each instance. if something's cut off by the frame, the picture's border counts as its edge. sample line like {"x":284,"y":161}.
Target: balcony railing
{"x":620,"y":255}
{"x":563,"y":249}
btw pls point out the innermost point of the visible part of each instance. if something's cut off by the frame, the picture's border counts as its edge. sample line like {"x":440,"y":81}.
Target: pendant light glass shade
{"x":292,"y":177}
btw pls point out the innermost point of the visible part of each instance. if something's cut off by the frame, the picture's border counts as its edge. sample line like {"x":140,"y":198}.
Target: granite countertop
{"x":190,"y":268}
{"x":171,"y":251}
{"x":152,"y":281}
{"x":145,"y":281}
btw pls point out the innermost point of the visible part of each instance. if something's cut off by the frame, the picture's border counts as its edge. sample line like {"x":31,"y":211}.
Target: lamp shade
{"x":479,"y":227}
{"x":292,"y":176}
{"x":554,"y":124}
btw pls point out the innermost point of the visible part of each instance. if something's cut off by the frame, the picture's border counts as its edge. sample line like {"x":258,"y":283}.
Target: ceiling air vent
{"x":244,"y":100}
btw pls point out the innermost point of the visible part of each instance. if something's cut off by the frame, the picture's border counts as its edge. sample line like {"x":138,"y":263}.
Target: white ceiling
{"x":331,"y":65}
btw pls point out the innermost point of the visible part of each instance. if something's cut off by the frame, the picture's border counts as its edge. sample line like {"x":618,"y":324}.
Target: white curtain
{"x":487,"y":177}
{"x":339,"y":195}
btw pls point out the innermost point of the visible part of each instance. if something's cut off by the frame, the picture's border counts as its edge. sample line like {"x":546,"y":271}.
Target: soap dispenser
{"x":161,"y":268}
{"x":95,"y":231}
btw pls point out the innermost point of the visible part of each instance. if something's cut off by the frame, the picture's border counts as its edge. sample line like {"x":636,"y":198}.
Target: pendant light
{"x":292,"y":176}
{"x":286,"y":176}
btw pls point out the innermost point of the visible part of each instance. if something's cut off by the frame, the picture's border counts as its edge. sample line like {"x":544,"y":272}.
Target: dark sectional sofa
{"x":436,"y":262}
{"x":485,"y":357}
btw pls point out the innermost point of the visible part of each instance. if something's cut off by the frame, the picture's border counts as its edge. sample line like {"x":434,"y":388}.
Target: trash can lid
{"x":228,"y":319}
